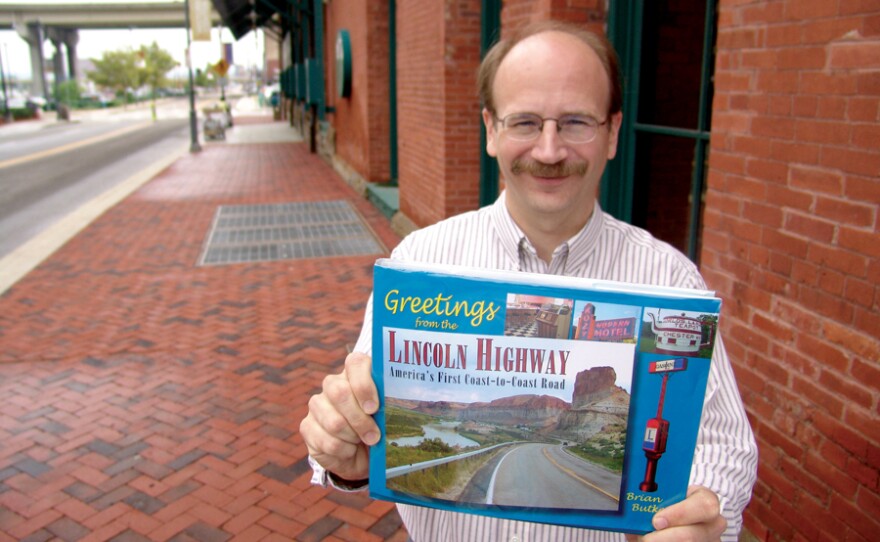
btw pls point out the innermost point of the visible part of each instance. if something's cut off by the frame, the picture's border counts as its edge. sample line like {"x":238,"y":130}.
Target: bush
{"x":23,"y":113}
{"x":67,"y":93}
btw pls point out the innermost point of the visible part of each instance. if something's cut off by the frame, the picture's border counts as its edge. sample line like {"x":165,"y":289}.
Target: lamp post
{"x":193,"y":128}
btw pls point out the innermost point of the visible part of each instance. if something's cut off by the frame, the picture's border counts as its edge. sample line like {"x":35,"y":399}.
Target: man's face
{"x":549,"y":180}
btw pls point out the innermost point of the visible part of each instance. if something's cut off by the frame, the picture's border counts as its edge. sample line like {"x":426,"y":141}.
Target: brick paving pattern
{"x":147,"y":398}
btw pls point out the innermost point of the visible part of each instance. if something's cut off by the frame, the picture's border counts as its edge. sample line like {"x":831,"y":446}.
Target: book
{"x":535,"y":397}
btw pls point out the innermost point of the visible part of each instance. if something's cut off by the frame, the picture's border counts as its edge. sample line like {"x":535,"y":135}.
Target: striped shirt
{"x":725,"y":460}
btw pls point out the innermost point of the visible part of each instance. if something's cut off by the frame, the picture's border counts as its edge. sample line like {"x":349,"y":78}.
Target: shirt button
{"x":514,"y":538}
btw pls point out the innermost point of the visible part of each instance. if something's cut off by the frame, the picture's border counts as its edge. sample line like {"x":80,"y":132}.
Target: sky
{"x":247,"y":52}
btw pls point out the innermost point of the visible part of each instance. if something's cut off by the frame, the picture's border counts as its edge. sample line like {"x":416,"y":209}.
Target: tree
{"x":124,"y":70}
{"x":205,"y":78}
{"x":156,"y":64}
{"x":117,"y":70}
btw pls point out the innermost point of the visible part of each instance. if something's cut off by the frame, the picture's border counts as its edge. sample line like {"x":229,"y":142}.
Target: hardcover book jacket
{"x":537,"y":397}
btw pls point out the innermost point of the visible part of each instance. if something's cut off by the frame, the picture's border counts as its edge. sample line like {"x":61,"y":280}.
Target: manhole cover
{"x":287,"y":231}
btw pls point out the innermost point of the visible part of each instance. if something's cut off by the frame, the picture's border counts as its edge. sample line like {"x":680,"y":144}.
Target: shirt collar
{"x":567,"y":257}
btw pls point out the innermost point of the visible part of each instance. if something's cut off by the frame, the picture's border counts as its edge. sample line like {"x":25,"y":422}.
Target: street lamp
{"x":193,"y":128}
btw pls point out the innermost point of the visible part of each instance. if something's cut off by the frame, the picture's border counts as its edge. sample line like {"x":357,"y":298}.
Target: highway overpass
{"x":97,"y":16}
{"x":60,"y":23}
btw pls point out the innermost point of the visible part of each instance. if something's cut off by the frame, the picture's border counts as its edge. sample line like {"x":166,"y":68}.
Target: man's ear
{"x":491,"y":133}
{"x":614,"y":133}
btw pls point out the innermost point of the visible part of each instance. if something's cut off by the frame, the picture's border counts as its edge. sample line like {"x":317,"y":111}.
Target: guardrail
{"x":414,"y":467}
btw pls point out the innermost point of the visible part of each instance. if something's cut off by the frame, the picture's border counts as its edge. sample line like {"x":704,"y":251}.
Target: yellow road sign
{"x":221,"y":68}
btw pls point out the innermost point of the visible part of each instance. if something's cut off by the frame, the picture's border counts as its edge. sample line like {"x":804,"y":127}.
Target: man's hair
{"x":599,"y":44}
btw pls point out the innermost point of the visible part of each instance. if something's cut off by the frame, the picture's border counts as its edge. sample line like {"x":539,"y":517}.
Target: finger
{"x":359,"y":369}
{"x":329,"y":420}
{"x":698,"y":517}
{"x":701,"y":505}
{"x":342,"y":413}
{"x":320,"y":442}
{"x":348,"y":460}
{"x":708,"y":532}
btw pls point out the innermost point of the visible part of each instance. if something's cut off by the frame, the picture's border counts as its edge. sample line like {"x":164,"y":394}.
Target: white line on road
{"x":490,"y":493}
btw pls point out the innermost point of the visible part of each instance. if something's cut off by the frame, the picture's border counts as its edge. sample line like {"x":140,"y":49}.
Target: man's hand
{"x":697,"y":518}
{"x":339,"y":428}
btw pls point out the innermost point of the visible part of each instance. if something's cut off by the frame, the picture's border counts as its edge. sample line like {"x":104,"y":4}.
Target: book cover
{"x":536,"y":397}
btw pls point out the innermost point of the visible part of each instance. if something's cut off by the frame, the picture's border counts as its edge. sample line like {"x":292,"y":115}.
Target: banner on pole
{"x":200,"y":19}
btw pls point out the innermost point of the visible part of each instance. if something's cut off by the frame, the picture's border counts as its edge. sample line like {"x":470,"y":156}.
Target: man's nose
{"x":549,"y":147}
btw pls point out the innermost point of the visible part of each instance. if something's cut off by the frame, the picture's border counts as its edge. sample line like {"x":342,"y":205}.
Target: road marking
{"x":578,"y":478}
{"x":28,"y":256}
{"x":490,"y":493}
{"x":74,"y":145}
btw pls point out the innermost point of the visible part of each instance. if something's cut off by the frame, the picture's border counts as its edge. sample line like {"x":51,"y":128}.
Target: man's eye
{"x":576,"y":122}
{"x":524,"y":123}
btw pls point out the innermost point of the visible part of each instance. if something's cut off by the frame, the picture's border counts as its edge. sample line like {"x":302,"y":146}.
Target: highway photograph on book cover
{"x":507,"y":407}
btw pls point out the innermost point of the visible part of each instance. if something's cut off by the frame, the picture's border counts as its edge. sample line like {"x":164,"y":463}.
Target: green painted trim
{"x":392,"y":90}
{"x":698,"y":181}
{"x":385,"y":198}
{"x":319,"y":99}
{"x":624,"y":32}
{"x":671,"y":131}
{"x":490,"y":29}
{"x":343,"y":64}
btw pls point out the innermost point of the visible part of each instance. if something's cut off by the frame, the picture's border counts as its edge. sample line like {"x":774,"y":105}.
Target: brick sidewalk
{"x":147,"y":398}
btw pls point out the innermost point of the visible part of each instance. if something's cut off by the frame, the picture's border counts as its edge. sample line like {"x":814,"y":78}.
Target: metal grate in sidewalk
{"x":287,"y":231}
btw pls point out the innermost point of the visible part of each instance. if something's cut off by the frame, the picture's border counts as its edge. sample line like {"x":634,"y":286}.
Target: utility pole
{"x":193,"y":127}
{"x":7,"y":115}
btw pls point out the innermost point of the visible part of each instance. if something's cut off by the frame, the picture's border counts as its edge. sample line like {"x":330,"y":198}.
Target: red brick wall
{"x":420,"y":127}
{"x":462,"y":106}
{"x":591,"y":13}
{"x":438,"y":48}
{"x":791,"y":242}
{"x":361,"y":121}
{"x":377,"y":68}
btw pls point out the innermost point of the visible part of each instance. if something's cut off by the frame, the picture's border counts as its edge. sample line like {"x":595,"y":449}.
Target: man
{"x":552,"y":113}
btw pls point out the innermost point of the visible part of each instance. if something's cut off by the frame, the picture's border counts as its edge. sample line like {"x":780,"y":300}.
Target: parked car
{"x":37,"y":102}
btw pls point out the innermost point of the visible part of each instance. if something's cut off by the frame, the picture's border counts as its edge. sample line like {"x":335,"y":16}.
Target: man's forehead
{"x":552,"y":43}
{"x":551,"y":57}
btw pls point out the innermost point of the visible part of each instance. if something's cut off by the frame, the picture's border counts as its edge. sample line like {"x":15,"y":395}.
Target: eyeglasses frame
{"x":543,"y":120}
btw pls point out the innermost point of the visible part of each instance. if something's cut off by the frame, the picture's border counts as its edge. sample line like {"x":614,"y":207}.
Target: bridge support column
{"x":68,"y":38}
{"x":58,"y":64}
{"x":71,"y":38}
{"x":32,"y":33}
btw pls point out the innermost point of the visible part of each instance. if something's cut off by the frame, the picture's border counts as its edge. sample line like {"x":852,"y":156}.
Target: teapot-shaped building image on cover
{"x":678,"y":334}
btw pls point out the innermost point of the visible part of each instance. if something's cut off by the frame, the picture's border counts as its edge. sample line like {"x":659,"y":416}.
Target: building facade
{"x":751,"y":141}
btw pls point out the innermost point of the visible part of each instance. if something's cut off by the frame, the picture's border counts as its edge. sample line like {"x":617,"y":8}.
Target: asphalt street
{"x":38,"y":187}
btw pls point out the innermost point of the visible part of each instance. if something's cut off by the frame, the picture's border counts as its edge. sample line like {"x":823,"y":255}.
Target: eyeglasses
{"x":571,"y":128}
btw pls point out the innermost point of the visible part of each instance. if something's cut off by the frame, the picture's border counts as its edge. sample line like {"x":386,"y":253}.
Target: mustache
{"x":539,"y":169}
